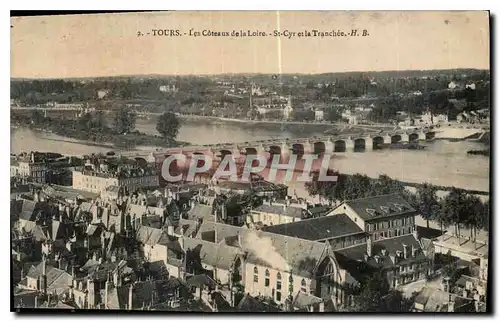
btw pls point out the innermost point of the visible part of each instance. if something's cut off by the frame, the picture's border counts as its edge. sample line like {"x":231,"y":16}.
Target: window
{"x":278,"y":287}
{"x":255,"y":274}
{"x":303,"y":286}
{"x":266,"y":280}
{"x":290,"y":284}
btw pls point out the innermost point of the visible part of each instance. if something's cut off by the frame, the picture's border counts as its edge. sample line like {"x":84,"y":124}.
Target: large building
{"x":97,"y":182}
{"x":383,"y":216}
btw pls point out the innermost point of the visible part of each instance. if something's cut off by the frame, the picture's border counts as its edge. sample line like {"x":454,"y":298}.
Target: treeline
{"x":458,"y":208}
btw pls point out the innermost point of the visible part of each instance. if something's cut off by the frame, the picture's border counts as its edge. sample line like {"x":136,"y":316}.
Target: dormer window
{"x":399,"y":207}
{"x":385,"y":209}
{"x":371,"y":211}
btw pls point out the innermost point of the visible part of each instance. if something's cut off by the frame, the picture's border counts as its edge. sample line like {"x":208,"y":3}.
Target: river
{"x":442,"y":163}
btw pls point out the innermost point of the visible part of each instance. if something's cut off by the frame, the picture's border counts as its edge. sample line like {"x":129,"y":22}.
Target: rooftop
{"x":268,"y":249}
{"x":349,"y":258}
{"x":317,"y":228}
{"x":288,"y":211}
{"x":379,"y":206}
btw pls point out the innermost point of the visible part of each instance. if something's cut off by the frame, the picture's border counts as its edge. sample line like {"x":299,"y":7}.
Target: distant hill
{"x":283,"y":77}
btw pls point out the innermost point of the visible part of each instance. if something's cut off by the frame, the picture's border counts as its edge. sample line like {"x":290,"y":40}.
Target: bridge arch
{"x":339,"y":146}
{"x":378,"y":142}
{"x":396,"y":138}
{"x":274,"y":149}
{"x":298,"y":149}
{"x":359,"y":145}
{"x":201,"y":162}
{"x":224,"y":152}
{"x":250,"y":151}
{"x":413,"y":137}
{"x":319,"y":147}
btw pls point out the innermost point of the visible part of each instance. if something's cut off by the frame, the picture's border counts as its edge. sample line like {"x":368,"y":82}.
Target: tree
{"x":37,"y":116}
{"x":454,"y":210}
{"x":100,"y":122}
{"x":124,"y":121}
{"x":333,"y":115}
{"x":168,"y":126}
{"x":427,"y":201}
{"x":370,"y":299}
{"x":324,"y":189}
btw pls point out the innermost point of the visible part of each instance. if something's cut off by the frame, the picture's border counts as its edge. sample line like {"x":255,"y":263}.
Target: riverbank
{"x":101,"y":137}
{"x":290,"y":126}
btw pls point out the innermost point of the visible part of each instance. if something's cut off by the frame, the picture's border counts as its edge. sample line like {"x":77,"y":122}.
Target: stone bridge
{"x":324,"y":144}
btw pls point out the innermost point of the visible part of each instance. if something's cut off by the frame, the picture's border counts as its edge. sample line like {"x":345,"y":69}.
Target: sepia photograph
{"x":250,"y":161}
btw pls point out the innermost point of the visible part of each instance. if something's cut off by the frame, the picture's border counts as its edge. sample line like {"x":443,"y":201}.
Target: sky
{"x":109,"y":45}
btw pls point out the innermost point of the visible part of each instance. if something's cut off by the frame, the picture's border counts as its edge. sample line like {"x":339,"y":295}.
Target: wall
{"x":92,"y":183}
{"x":256,"y":288}
{"x":173,"y":270}
{"x":391,"y":227}
{"x":271,"y":219}
{"x":345,"y":209}
{"x":346,"y":241}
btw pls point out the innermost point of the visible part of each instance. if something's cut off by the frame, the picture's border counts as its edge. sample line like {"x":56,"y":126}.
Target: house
{"x":219,"y":261}
{"x":140,"y":295}
{"x":101,"y":94}
{"x":401,"y":259}
{"x":252,"y":304}
{"x":47,"y":279}
{"x":307,"y":303}
{"x":471,"y":86}
{"x":383,"y":216}
{"x":453,"y":85}
{"x":199,"y":211}
{"x":472,"y":287}
{"x":435,"y":300}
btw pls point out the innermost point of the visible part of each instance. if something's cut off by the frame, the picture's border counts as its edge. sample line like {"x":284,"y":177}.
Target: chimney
{"x":383,"y":251}
{"x":130,"y":296}
{"x":181,"y":241}
{"x":405,"y":251}
{"x":413,"y":251}
{"x":170,"y":230}
{"x":377,"y":259}
{"x":322,"y":307}
{"x":182,"y":230}
{"x":369,"y":246}
{"x":36,"y":302}
{"x":239,"y":239}
{"x":116,"y":278}
{"x":451,"y":306}
{"x":44,"y":276}
{"x":106,"y":291}
{"x":91,"y":293}
{"x":415,"y":232}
